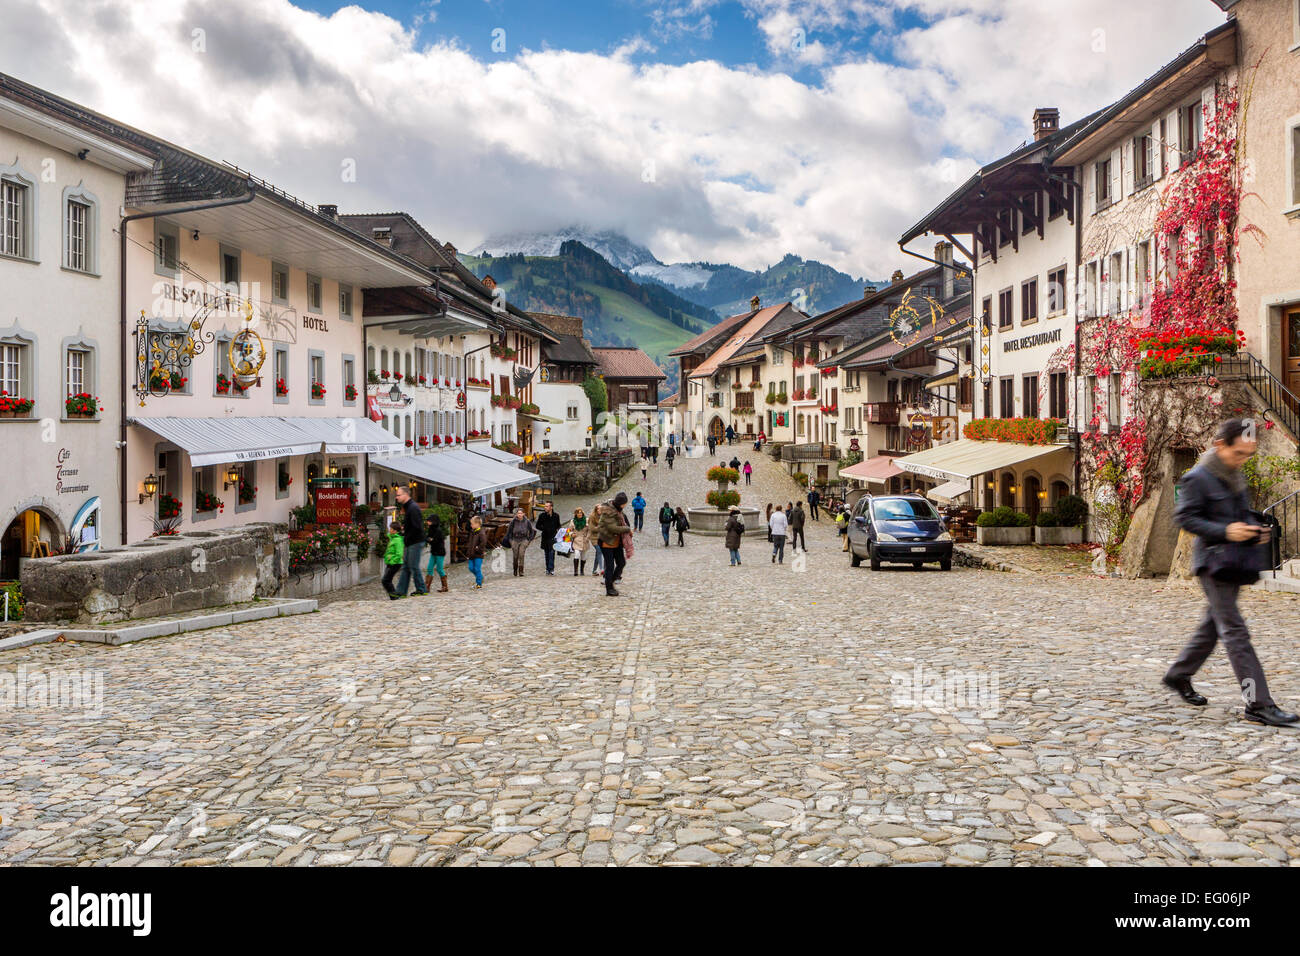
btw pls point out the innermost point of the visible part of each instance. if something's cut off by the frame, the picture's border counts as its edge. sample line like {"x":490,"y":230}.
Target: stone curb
{"x":967,"y":559}
{"x":140,"y":632}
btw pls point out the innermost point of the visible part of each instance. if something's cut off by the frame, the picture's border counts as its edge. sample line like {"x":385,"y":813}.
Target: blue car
{"x":899,"y":529}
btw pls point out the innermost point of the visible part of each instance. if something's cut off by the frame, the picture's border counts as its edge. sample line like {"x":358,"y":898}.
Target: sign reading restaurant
{"x":1029,"y":341}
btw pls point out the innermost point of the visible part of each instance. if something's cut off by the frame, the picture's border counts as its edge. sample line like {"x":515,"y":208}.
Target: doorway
{"x":1291,"y":353}
{"x":717,"y":429}
{"x":1008,"y":489}
{"x":32,"y":533}
{"x":1032,"y":502}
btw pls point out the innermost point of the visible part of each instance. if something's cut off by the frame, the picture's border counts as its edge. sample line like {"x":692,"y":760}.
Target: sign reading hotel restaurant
{"x":333,"y":505}
{"x":1029,"y":341}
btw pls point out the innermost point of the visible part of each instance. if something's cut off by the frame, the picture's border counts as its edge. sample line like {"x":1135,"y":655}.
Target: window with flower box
{"x":280,"y":370}
{"x":316,"y":377}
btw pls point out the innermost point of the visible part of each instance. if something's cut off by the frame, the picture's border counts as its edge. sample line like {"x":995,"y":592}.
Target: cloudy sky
{"x":726,"y":130}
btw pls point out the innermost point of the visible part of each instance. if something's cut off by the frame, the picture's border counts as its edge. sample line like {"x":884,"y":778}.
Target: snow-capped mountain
{"x":679,"y":275}
{"x":620,"y":251}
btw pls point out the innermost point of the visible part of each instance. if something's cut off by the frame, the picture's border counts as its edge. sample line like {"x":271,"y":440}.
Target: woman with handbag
{"x":579,"y":536}
{"x":1230,"y":541}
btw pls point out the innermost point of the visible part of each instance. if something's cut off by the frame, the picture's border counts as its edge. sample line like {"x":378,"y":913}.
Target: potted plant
{"x":350,"y":393}
{"x":383,"y":373}
{"x":162,"y":379}
{"x":317,"y":390}
{"x":281,"y":388}
{"x":372,"y":377}
{"x":723,"y":498}
{"x":204,"y":501}
{"x":81,"y":405}
{"x":1063,"y":524}
{"x":11,"y":407}
{"x":425,"y":381}
{"x":247,"y":492}
{"x":1003,"y":526}
{"x":168,"y":507}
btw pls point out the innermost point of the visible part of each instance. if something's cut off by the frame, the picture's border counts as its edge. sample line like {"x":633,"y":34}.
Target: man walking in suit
{"x":814,"y":498}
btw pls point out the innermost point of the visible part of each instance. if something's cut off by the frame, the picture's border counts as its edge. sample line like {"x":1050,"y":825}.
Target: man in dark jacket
{"x":609,"y":532}
{"x":548,"y":526}
{"x":1212,"y":504}
{"x":666,"y":517}
{"x":814,"y":499}
{"x":735,"y":530}
{"x":796,"y":518}
{"x":413,"y":535}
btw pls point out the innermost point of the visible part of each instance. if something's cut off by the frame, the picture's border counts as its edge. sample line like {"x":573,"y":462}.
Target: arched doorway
{"x":717,"y":429}
{"x":1007,"y":490}
{"x":1033,"y":504}
{"x":33,"y":532}
{"x":1060,"y":489}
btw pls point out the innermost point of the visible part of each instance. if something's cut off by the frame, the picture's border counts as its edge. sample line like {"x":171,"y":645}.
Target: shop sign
{"x":930,"y":472}
{"x":382,"y":396}
{"x":316,"y":323}
{"x":62,"y":473}
{"x":1029,"y":341}
{"x":333,"y":505}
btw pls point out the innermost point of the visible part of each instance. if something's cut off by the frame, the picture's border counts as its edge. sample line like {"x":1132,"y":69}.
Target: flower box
{"x":1020,"y":431}
{"x":1058,"y":536}
{"x":281,"y":388}
{"x":1003,"y":536}
{"x":317,"y":390}
{"x":350,"y":393}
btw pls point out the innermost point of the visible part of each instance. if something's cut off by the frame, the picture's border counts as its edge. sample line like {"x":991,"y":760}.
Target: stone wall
{"x":165,"y":575}
{"x":578,"y":474}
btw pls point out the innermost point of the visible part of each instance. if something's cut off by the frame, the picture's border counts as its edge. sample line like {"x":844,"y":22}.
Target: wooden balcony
{"x":883,"y":413}
{"x":810,"y":452}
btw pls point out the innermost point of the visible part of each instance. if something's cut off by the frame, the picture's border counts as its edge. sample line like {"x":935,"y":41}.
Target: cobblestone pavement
{"x":759,"y":714}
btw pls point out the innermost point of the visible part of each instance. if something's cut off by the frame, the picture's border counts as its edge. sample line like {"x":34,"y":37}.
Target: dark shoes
{"x":1185,"y":690}
{"x":1272,"y":715}
{"x":611,"y":592}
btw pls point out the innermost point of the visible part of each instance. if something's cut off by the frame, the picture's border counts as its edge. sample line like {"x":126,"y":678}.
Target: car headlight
{"x":944,"y":537}
{"x":882,"y":536}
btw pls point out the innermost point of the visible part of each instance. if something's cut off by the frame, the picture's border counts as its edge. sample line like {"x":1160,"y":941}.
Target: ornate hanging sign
{"x":906,"y":319}
{"x":164,"y":356}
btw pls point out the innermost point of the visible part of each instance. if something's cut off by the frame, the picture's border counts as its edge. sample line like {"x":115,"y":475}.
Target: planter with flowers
{"x":167,"y":381}
{"x":509,"y":446}
{"x":383,"y":374}
{"x":372,"y":377}
{"x":449,"y":439}
{"x":206,"y":502}
{"x":424,"y":381}
{"x":409,"y":443}
{"x":12,"y":407}
{"x":410,"y":379}
{"x":281,"y":387}
{"x":528,"y":408}
{"x":247,"y":492}
{"x":1174,"y":354}
{"x":436,"y":440}
{"x":168,"y":506}
{"x":830,"y":409}
{"x":317,"y":390}
{"x":350,"y":393}
{"x":284,"y":481}
{"x":424,"y":441}
{"x":81,"y":405}
{"x":1020,"y":431}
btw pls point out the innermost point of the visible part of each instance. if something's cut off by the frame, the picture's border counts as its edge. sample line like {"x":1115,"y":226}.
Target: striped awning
{"x":496,"y":454}
{"x":219,"y":441}
{"x":964,"y":459}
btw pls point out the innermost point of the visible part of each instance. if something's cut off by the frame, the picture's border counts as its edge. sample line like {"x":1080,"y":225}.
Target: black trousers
{"x":812,"y":510}
{"x":797,"y":539}
{"x":614,"y":562}
{"x":1222,"y":621}
{"x":390,"y":572}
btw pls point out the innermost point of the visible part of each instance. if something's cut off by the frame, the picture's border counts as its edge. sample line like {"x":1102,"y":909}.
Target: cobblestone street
{"x":709,"y":715}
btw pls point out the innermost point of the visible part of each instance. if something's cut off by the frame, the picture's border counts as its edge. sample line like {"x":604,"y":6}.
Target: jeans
{"x":797,"y":539}
{"x":735,"y":556}
{"x":550,"y":560}
{"x":598,"y":560}
{"x":667,"y":527}
{"x":1223,"y":621}
{"x":436,"y":565}
{"x":812,"y":510}
{"x":638,"y":518}
{"x":390,"y":572}
{"x":614,"y":561}
{"x":778,"y":548}
{"x":476,"y":569}
{"x":411,"y":566}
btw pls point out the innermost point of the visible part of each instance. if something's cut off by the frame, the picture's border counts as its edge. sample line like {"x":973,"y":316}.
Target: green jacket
{"x":396,"y":547}
{"x":610,"y":529}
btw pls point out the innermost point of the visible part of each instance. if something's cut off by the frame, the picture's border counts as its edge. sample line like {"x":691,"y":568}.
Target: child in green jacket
{"x":393,"y":560}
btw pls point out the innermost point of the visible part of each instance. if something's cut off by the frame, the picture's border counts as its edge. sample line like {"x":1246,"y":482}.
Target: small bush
{"x":1048,"y":519}
{"x":800,"y":479}
{"x":723,"y":499}
{"x":1071,"y":511}
{"x":1003,"y":517}
{"x":16,"y":600}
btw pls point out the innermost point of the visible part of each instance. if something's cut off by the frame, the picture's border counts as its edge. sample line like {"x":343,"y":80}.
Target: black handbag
{"x":1241,"y":562}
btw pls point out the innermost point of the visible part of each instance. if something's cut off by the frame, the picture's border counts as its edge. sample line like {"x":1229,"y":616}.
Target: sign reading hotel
{"x":333,"y":505}
{"x":1029,"y":341}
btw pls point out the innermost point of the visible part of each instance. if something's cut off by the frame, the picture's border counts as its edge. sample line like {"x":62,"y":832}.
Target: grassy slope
{"x":653,"y":334}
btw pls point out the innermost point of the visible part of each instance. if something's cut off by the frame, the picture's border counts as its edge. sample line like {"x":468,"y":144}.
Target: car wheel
{"x":945,"y":564}
{"x":875,"y":560}
{"x":855,"y":559}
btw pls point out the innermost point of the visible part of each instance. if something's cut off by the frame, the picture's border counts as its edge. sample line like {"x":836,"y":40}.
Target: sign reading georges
{"x":333,"y":505}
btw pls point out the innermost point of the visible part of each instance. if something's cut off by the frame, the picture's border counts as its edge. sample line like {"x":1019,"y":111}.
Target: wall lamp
{"x":150,"y":485}
{"x":232,"y":477}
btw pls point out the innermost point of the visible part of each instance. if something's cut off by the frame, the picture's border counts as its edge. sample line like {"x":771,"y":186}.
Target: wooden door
{"x":1291,"y":352}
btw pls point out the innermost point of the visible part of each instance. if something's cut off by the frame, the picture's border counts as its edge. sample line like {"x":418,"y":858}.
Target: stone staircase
{"x":1286,"y":578}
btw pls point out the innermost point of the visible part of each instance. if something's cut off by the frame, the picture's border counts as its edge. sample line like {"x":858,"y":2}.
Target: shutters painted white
{"x":1208,"y":106}
{"x":1116,"y":157}
{"x":1173,"y":156}
{"x":1127,"y":166}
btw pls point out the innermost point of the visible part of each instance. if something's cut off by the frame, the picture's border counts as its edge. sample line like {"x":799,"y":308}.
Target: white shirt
{"x":778,"y":523}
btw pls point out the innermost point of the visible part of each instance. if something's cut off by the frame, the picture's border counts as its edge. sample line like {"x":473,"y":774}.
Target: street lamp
{"x":150,"y":485}
{"x":395,"y":393}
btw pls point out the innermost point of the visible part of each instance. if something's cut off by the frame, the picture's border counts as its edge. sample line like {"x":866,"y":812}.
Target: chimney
{"x":753,"y":304}
{"x":897,"y":276}
{"x":943,"y":255}
{"x":329,"y":212}
{"x":1047,"y":120}
{"x":867,"y":291}
{"x":490,"y":282}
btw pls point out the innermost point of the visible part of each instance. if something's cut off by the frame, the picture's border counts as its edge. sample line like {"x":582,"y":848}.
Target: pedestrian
{"x":682,"y":524}
{"x":762,"y":439}
{"x":767,"y":520}
{"x":475,"y":548}
{"x":666,"y":516}
{"x":749,"y":472}
{"x":598,"y":557}
{"x":796,"y":519}
{"x":609,"y":535}
{"x":778,"y":524}
{"x":672,"y":440}
{"x":842,"y":524}
{"x":712,"y":444}
{"x":393,"y":559}
{"x":644,"y":477}
{"x":734,"y":463}
{"x":669,"y":455}
{"x":1212,"y":504}
{"x":437,"y":554}
{"x":654,"y":453}
{"x":731,"y":435}
{"x":638,"y":510}
{"x":814,"y":498}
{"x":735,"y":531}
{"x":519,"y":535}
{"x":413,"y":538}
{"x":548,"y":526}
{"x":580,"y":536}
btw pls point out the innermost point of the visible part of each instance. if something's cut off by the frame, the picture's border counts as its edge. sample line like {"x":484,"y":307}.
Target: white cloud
{"x":748,"y":164}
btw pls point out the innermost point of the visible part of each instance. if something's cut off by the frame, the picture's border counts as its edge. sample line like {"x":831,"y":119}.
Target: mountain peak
{"x":617,"y":249}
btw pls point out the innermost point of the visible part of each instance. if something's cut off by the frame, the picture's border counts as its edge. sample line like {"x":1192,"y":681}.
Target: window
{"x":76,"y":239}
{"x":571,"y":411}
{"x":1101,"y":179}
{"x":279,"y":283}
{"x":345,"y":301}
{"x":230,"y":267}
{"x":1172,"y":246}
{"x":1029,"y":301}
{"x":1006,"y":226}
{"x":1033,"y":202}
{"x":988,"y":400}
{"x":1113,"y":405}
{"x":76,"y":372}
{"x":17,"y":217}
{"x":166,"y":248}
{"x":1293,"y":141}
{"x":1115,"y":284}
{"x":1142,"y":274}
{"x":282,"y":479}
{"x":313,"y":293}
{"x":315,"y":376}
{"x":281,"y":367}
{"x":349,"y":377}
{"x":1007,"y":396}
{"x":1091,"y":290}
{"x":1006,"y":309}
{"x":778,"y":357}
{"x":1056,"y":395}
{"x":1055,"y":208}
{"x":1056,"y":291}
{"x":1189,"y":130}
{"x":1143,"y":161}
{"x":11,"y":370}
{"x":1030,"y":390}
{"x":986,"y":312}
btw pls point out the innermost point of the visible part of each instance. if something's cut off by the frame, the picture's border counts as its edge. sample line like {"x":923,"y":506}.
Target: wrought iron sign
{"x":164,"y":356}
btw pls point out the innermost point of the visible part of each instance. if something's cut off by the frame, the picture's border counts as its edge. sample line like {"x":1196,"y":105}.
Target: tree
{"x":598,"y":395}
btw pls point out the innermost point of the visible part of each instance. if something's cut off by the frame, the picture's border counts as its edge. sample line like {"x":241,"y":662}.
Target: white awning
{"x":496,"y":454}
{"x":964,"y":459}
{"x":219,"y":441}
{"x":350,"y":436}
{"x":949,"y":490}
{"x":459,"y":470}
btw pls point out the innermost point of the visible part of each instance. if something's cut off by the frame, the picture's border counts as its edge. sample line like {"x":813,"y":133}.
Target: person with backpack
{"x":580,"y":538}
{"x":735,"y":532}
{"x":1213,"y":505}
{"x":842,"y":524}
{"x":475,"y":549}
{"x":393,"y":559}
{"x":682,"y":524}
{"x":609,"y":534}
{"x":519,"y":535}
{"x":437,"y":554}
{"x":666,"y":516}
{"x":638,"y":510}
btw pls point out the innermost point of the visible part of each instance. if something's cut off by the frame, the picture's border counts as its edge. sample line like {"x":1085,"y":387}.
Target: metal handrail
{"x":1279,"y":399}
{"x":1285,"y":515}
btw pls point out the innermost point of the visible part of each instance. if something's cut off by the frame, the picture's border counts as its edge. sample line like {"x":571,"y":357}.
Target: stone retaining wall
{"x":584,"y":475}
{"x":157,"y":576}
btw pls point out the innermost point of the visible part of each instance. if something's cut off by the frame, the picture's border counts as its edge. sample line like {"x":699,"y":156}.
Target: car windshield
{"x":906,"y":509}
